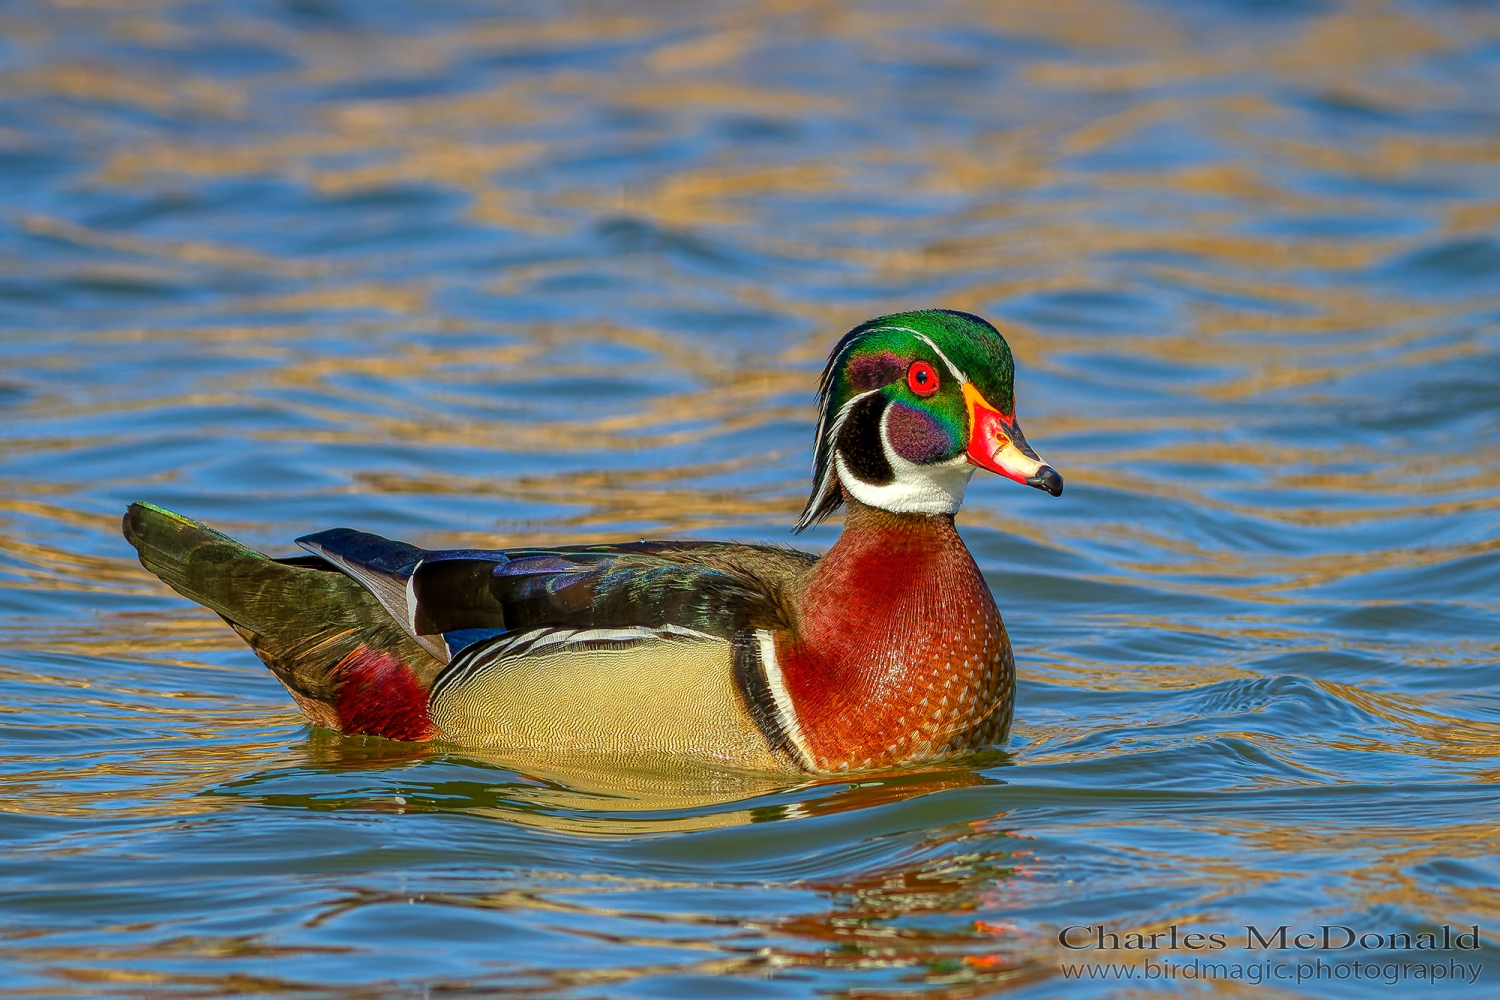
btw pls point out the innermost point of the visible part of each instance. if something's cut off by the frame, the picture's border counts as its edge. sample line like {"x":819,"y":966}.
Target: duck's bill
{"x":996,"y":443}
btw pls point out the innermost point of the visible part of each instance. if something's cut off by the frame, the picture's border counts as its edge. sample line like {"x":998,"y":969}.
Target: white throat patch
{"x":916,"y":489}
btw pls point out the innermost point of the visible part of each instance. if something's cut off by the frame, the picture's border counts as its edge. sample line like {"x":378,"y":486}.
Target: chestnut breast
{"x":898,"y":653}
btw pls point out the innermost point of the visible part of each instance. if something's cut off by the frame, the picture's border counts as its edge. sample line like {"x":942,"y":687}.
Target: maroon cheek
{"x":915,"y":436}
{"x":875,"y":370}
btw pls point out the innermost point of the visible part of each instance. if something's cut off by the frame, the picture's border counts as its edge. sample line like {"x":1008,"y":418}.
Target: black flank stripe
{"x":457,"y":669}
{"x":750,"y":680}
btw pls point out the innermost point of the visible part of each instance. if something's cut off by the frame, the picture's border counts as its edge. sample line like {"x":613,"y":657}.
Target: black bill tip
{"x":1046,"y":478}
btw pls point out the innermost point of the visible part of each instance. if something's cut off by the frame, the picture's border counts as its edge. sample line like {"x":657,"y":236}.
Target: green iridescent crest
{"x":870,"y":378}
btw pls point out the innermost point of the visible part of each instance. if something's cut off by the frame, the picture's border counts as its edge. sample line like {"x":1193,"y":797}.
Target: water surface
{"x":480,"y":275}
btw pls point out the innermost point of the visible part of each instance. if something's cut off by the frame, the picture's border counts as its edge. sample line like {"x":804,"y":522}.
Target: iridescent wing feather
{"x":716,"y":588}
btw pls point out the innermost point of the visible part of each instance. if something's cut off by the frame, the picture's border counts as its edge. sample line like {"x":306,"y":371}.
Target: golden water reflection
{"x":568,"y":275}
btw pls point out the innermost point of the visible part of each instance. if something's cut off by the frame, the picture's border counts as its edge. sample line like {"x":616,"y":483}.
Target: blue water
{"x":468,"y":274}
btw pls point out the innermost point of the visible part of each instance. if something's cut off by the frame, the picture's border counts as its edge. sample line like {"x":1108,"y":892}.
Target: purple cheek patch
{"x":915,"y":435}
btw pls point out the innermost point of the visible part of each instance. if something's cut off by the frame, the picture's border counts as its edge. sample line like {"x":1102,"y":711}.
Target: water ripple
{"x":472,"y":276}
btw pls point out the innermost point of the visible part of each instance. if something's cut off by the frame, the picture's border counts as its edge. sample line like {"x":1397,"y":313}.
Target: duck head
{"x":910,"y":405}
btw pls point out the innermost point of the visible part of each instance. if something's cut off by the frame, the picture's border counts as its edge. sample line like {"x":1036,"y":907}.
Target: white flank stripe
{"x":786,"y":712}
{"x":551,"y":639}
{"x":487,"y":654}
{"x":627,"y":634}
{"x":685,"y":632}
{"x":630,"y":633}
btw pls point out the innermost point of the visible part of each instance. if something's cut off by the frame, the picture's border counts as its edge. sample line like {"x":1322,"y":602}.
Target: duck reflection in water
{"x":595,"y":793}
{"x":920,"y":909}
{"x":917,"y":910}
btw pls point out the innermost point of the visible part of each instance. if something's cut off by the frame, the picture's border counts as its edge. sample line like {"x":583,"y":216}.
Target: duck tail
{"x":347,"y":664}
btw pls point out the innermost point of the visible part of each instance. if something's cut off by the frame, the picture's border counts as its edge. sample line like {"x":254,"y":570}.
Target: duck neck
{"x":884,"y":567}
{"x":895,"y":636}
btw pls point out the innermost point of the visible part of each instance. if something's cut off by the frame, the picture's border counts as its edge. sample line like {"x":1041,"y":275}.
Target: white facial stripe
{"x":962,"y":378}
{"x":845,"y":410}
{"x":952,"y":368}
{"x":833,"y":436}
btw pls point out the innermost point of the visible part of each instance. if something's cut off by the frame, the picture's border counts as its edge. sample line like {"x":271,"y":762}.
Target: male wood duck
{"x":888,"y":650}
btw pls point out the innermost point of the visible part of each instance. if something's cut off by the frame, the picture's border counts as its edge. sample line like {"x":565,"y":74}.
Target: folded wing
{"x":448,"y":599}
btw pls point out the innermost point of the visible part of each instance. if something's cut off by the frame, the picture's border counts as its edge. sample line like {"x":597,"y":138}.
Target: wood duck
{"x":887,"y":650}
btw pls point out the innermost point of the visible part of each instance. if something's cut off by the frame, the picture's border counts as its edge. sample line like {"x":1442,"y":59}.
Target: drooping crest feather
{"x":826,"y":497}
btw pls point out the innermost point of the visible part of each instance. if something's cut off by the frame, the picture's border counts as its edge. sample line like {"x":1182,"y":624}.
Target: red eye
{"x":921,"y":379}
